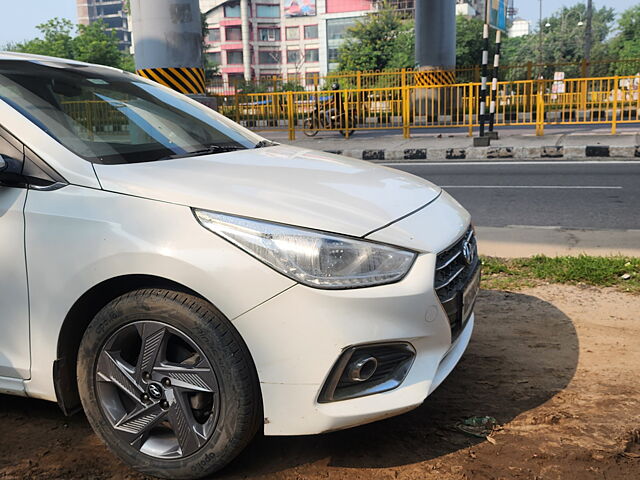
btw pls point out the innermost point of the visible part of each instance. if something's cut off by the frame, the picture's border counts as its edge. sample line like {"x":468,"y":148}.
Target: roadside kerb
{"x":549,"y":152}
{"x":513,"y":241}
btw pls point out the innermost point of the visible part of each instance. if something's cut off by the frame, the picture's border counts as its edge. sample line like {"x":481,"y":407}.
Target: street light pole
{"x":540,"y":36}
{"x":587,"y":34}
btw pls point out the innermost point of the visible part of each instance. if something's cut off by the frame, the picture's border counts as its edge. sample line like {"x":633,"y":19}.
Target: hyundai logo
{"x":467,"y":252}
{"x":155,"y":390}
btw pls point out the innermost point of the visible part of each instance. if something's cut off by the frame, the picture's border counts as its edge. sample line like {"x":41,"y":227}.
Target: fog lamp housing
{"x":366,"y":370}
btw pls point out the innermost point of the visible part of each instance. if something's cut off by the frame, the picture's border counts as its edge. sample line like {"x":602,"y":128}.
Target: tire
{"x":310,"y":127}
{"x":168,"y":384}
{"x":351,"y":130}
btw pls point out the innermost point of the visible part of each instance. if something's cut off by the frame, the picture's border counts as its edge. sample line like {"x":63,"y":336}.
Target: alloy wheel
{"x":157,"y":389}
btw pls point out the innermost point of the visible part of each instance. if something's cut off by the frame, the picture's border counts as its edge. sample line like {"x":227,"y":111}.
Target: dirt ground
{"x":557,"y":366}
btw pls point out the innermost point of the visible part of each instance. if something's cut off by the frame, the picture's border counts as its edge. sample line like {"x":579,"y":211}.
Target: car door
{"x":14,"y":301}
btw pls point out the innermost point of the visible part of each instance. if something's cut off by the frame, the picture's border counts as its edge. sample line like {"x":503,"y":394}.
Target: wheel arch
{"x":79,"y":317}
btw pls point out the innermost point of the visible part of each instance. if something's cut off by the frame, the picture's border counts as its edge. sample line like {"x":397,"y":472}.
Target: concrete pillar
{"x":167,"y":38}
{"x":246,"y":50}
{"x":435,"y":34}
{"x":435,"y":50}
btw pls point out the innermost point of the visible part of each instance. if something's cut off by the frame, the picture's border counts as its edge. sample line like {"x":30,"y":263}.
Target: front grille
{"x":453,"y":274}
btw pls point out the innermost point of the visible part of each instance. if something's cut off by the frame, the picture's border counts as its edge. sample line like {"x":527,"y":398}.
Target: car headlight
{"x":313,"y":258}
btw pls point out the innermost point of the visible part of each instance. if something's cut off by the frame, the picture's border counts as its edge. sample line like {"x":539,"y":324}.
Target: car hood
{"x":281,"y":184}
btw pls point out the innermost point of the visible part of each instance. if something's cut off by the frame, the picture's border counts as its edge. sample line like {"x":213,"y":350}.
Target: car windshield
{"x":112,"y":117}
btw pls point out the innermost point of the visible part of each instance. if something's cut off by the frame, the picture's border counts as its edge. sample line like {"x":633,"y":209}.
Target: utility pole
{"x":246,"y":50}
{"x":587,"y":34}
{"x":540,"y":36}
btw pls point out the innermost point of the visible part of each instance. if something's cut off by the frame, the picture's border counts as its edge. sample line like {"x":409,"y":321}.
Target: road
{"x":575,"y":195}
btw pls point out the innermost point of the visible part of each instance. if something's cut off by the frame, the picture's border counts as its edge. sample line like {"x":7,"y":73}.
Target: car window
{"x":9,"y":147}
{"x":112,"y":117}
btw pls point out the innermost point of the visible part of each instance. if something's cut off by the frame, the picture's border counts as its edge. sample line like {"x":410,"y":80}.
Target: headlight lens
{"x":316,"y":259}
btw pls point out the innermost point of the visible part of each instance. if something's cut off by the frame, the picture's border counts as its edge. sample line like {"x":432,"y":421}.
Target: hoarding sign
{"x":299,"y":8}
{"x":496,"y":14}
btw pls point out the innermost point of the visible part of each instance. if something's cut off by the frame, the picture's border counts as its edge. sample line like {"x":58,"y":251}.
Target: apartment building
{"x":112,"y":13}
{"x":469,"y":8}
{"x":519,"y":28}
{"x":296,"y":40}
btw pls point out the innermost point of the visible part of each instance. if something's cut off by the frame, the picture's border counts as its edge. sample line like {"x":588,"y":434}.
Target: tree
{"x":128,"y":63}
{"x":382,"y":41}
{"x":93,"y":43}
{"x":626,"y":44}
{"x":57,"y":41}
{"x":210,"y":67}
{"x":562,"y":41}
{"x":469,"y":43}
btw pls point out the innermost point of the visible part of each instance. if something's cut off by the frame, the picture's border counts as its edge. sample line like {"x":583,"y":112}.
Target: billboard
{"x":299,"y":8}
{"x":496,"y":14}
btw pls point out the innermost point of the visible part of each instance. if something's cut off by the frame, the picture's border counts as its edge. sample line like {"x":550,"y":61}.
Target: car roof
{"x":44,"y":59}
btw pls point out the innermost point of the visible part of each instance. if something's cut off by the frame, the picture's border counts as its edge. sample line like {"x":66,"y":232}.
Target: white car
{"x":186,"y":282}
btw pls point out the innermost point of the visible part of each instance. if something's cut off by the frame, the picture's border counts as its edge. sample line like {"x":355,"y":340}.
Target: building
{"x":469,"y":8}
{"x":112,"y":13}
{"x":296,"y":40}
{"x":475,"y":8}
{"x":519,"y":28}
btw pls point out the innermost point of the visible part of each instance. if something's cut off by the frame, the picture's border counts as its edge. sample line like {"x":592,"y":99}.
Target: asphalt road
{"x":591,"y":195}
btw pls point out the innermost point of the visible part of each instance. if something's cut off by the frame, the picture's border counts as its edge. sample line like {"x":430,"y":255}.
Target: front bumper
{"x":296,"y":337}
{"x":292,"y":409}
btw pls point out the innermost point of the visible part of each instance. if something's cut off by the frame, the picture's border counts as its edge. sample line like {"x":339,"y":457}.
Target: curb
{"x":495,"y":153}
{"x":515,"y":241}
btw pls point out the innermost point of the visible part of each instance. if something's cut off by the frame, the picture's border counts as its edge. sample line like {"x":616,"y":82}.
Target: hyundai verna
{"x":187,"y":283}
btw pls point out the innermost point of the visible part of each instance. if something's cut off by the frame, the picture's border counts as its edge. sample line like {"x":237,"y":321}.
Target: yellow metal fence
{"x":399,"y":78}
{"x":537,"y":103}
{"x":604,"y":100}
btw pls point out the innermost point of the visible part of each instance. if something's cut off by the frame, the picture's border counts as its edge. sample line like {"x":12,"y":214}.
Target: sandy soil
{"x":557,"y":366}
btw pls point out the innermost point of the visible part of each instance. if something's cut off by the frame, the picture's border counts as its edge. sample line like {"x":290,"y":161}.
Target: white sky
{"x":20,"y":17}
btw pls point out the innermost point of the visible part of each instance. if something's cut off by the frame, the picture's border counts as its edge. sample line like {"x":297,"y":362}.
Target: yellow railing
{"x":399,"y":78}
{"x":96,"y":117}
{"x":603,"y":100}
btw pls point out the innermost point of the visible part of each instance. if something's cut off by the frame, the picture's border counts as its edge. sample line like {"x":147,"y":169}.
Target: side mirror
{"x":10,"y":170}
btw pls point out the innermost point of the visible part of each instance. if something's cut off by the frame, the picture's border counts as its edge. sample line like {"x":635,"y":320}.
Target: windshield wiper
{"x":205,"y":151}
{"x":265,"y":143}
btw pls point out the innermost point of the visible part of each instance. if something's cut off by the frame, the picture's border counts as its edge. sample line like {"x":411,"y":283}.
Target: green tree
{"x":210,"y":67}
{"x":95,"y":44}
{"x":563,"y":41}
{"x":128,"y":63}
{"x":469,"y":43}
{"x":57,"y":41}
{"x":626,"y":44}
{"x":382,"y":41}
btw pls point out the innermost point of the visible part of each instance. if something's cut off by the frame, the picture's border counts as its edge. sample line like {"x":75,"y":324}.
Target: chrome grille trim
{"x":452,"y":275}
{"x":448,"y":262}
{"x":451,"y":279}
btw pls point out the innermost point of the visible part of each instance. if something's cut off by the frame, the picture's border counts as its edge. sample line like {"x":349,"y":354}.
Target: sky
{"x":530,"y":9}
{"x":19,"y":23}
{"x":19,"y":17}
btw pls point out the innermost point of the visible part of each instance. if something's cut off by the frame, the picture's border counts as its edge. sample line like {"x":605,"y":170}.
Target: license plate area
{"x":469,"y":296}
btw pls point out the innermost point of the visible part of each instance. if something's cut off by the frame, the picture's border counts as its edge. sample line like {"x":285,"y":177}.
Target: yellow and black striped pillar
{"x":184,"y":80}
{"x":434,"y":78}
